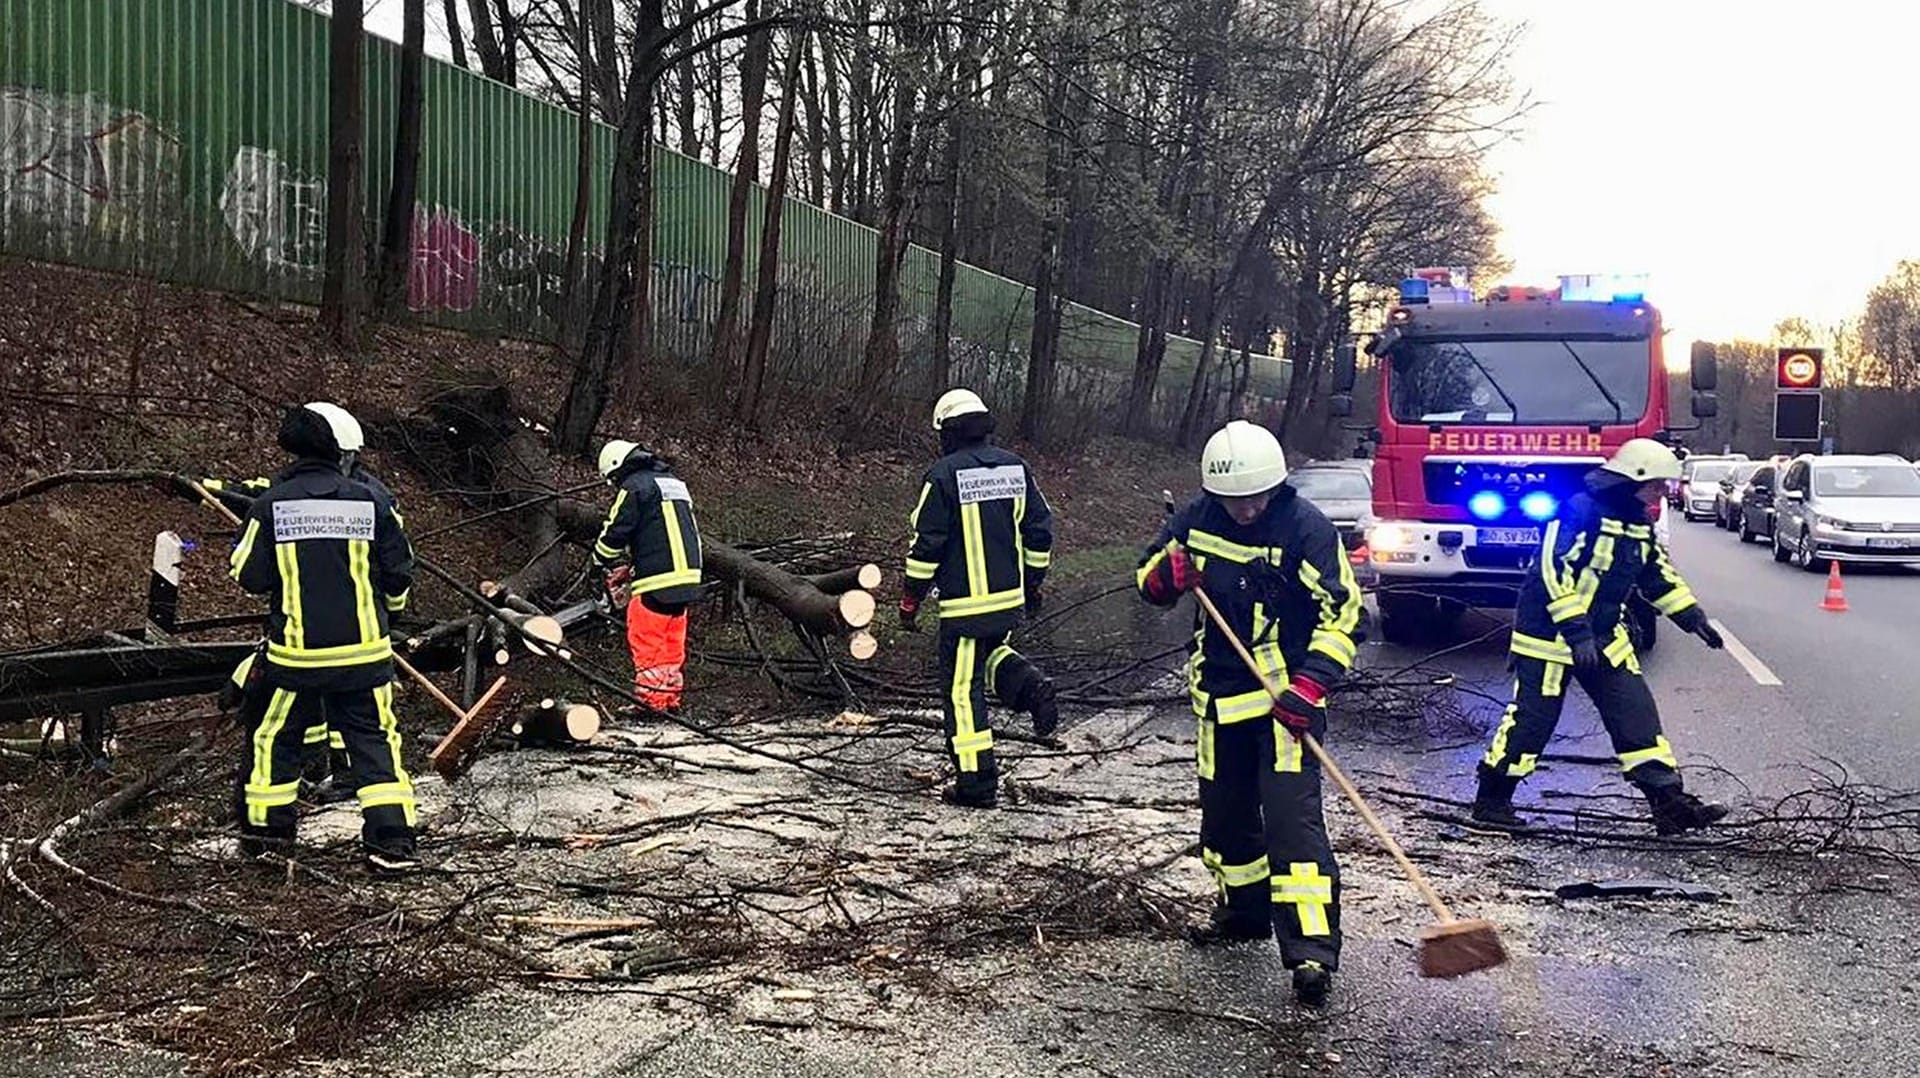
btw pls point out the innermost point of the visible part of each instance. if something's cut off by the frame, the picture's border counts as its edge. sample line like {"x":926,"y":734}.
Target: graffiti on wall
{"x":445,"y":272}
{"x":276,"y":215}
{"x":77,"y":167}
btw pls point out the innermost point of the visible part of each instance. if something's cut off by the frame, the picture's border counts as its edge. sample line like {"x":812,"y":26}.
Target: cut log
{"x":856,"y":609}
{"x":864,"y":577}
{"x":862,"y":645}
{"x":556,"y":722}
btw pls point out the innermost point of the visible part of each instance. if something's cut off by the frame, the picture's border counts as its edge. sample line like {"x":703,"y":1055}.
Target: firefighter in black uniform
{"x":1274,"y":565}
{"x":983,"y":538}
{"x":327,"y":765}
{"x":1592,"y":555}
{"x":650,"y":549}
{"x":332,"y":555}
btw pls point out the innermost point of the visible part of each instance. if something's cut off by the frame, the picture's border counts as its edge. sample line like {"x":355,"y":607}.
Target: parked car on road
{"x":1755,"y":519}
{"x":1343,"y":490}
{"x":1726,"y":497}
{"x":1698,"y":480}
{"x":1687,"y":466}
{"x":1847,"y":508}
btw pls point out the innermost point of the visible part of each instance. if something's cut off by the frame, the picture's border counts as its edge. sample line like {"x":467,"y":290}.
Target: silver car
{"x":1847,"y":508}
{"x":1343,"y":490}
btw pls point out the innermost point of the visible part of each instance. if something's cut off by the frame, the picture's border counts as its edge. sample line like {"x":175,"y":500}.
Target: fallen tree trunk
{"x":855,"y":577}
{"x":557,"y":722}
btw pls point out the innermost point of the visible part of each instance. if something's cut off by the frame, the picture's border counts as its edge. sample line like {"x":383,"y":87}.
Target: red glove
{"x":617,"y":591}
{"x":909,"y":611}
{"x":1184,"y":574}
{"x":1304,"y":701}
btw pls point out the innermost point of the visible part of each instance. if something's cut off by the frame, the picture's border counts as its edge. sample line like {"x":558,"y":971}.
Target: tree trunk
{"x":493,"y":64}
{"x":816,"y":131}
{"x":685,"y":96}
{"x":455,"y":35}
{"x":880,"y":361}
{"x":509,"y":43}
{"x":606,"y":71}
{"x":343,"y":291}
{"x":723,"y":359}
{"x":1304,"y":344}
{"x":1150,"y":347}
{"x":1062,"y":120}
{"x":836,"y":142}
{"x":396,"y":243}
{"x":619,"y":324}
{"x":570,"y":290}
{"x":949,"y":257}
{"x":753,"y":378}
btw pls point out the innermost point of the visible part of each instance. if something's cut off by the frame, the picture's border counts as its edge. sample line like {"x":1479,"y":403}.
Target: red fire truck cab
{"x":1490,"y":412}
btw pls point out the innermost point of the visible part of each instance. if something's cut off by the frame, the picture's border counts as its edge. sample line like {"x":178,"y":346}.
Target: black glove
{"x":1586,"y":654}
{"x":1036,"y":602}
{"x":1694,"y":620}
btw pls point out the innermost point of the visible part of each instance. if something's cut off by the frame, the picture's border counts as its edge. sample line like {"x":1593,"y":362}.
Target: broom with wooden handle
{"x":1452,"y":947}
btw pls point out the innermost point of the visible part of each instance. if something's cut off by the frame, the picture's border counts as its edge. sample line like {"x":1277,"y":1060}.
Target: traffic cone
{"x":1836,"y":599}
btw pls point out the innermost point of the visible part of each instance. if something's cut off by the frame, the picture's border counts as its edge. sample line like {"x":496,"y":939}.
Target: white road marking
{"x":1755,"y":668}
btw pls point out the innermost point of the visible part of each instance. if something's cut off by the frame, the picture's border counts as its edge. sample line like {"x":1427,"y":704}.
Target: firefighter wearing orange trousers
{"x":650,"y":547}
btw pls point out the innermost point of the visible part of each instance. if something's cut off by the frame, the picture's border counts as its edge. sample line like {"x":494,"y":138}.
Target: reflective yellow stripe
{"x":1533,"y":647}
{"x":1039,"y":559}
{"x":287,"y":556}
{"x":1209,"y":543}
{"x":317,"y":734}
{"x":243,"y":549}
{"x":921,"y":570}
{"x":676,"y":544}
{"x":1203,"y":749}
{"x":1333,"y":638}
{"x":600,"y":546}
{"x":360,"y":568}
{"x":676,"y":578}
{"x":1620,"y":649}
{"x":1242,"y":875}
{"x":974,"y":545}
{"x":913,"y":518}
{"x":1289,"y":754}
{"x":1148,"y":567}
{"x":1243,"y":707}
{"x":991,"y":603}
{"x":1676,"y":600}
{"x":319,"y":658}
{"x":402,"y":784}
{"x":1550,"y":571}
{"x":968,"y":742}
{"x":1603,"y":548}
{"x":261,"y":794}
{"x":1266,"y":652}
{"x":1309,"y":892}
{"x":994,"y":658}
{"x":1553,"y":681}
{"x":245,"y":668}
{"x":397,"y":603}
{"x":1610,"y":526}
{"x":1660,"y":753}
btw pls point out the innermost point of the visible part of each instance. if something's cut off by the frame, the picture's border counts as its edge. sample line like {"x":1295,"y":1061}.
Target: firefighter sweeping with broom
{"x":1274,"y":566}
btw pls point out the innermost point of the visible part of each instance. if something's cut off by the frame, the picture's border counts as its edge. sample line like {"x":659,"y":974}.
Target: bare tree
{"x":746,"y":173}
{"x":343,"y":290}
{"x":753,"y":376}
{"x":396,"y":241}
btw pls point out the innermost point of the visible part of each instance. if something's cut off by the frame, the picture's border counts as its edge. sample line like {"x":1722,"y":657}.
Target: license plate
{"x":1898,"y":544}
{"x":1509,"y":536}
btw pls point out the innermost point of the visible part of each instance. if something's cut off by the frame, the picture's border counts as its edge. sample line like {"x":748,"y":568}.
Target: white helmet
{"x":613,"y":455}
{"x":956,"y":402}
{"x":1242,"y":459}
{"x":1644,"y":459}
{"x":345,"y":428}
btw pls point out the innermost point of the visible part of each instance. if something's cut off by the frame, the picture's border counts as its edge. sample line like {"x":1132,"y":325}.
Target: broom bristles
{"x":1458,"y":948}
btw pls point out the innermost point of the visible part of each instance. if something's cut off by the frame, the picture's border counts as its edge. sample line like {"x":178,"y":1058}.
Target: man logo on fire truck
{"x":1544,"y":382}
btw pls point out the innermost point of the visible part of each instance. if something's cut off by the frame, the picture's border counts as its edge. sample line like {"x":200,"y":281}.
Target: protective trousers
{"x":658,"y":640}
{"x":1626,"y":709}
{"x":326,"y":753}
{"x":971,"y":667}
{"x":1263,"y":836}
{"x":278,"y":728}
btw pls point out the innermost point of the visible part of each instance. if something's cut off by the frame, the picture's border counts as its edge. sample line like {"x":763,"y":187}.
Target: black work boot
{"x":969,"y":797}
{"x":1312,"y":983}
{"x":1227,"y":927}
{"x":259,"y":845}
{"x":392,"y":853}
{"x":1676,"y":812}
{"x":1041,"y":705}
{"x":1493,"y":804}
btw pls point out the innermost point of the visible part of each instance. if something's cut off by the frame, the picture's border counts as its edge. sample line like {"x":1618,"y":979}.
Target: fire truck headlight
{"x":1389,"y":538}
{"x":1538,"y":505}
{"x":1487,"y":504}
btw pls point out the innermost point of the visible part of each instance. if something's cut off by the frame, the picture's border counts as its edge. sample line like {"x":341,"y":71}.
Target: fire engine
{"x":1490,"y":412}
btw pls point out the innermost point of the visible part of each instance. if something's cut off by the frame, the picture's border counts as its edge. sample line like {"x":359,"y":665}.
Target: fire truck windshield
{"x":1534,"y":382}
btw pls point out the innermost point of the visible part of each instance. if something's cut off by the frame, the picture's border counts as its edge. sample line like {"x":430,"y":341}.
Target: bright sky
{"x":1755,"y":159}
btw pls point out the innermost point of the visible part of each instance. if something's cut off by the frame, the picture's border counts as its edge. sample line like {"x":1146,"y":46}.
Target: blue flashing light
{"x":1538,"y":505}
{"x":1487,"y":504}
{"x":1414,"y":290}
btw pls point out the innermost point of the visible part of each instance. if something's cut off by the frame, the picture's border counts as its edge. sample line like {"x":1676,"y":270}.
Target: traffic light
{"x":1800,"y":368}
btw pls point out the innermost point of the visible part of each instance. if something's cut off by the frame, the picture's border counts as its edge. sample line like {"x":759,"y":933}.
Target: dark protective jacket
{"x":651,"y":527}
{"x":238,"y":495}
{"x":1283,"y":583}
{"x":332,"y":556}
{"x":982,"y":535}
{"x":1593,"y":553}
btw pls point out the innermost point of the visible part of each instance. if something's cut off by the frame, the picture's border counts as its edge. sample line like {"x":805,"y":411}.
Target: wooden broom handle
{"x":1414,"y":875}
